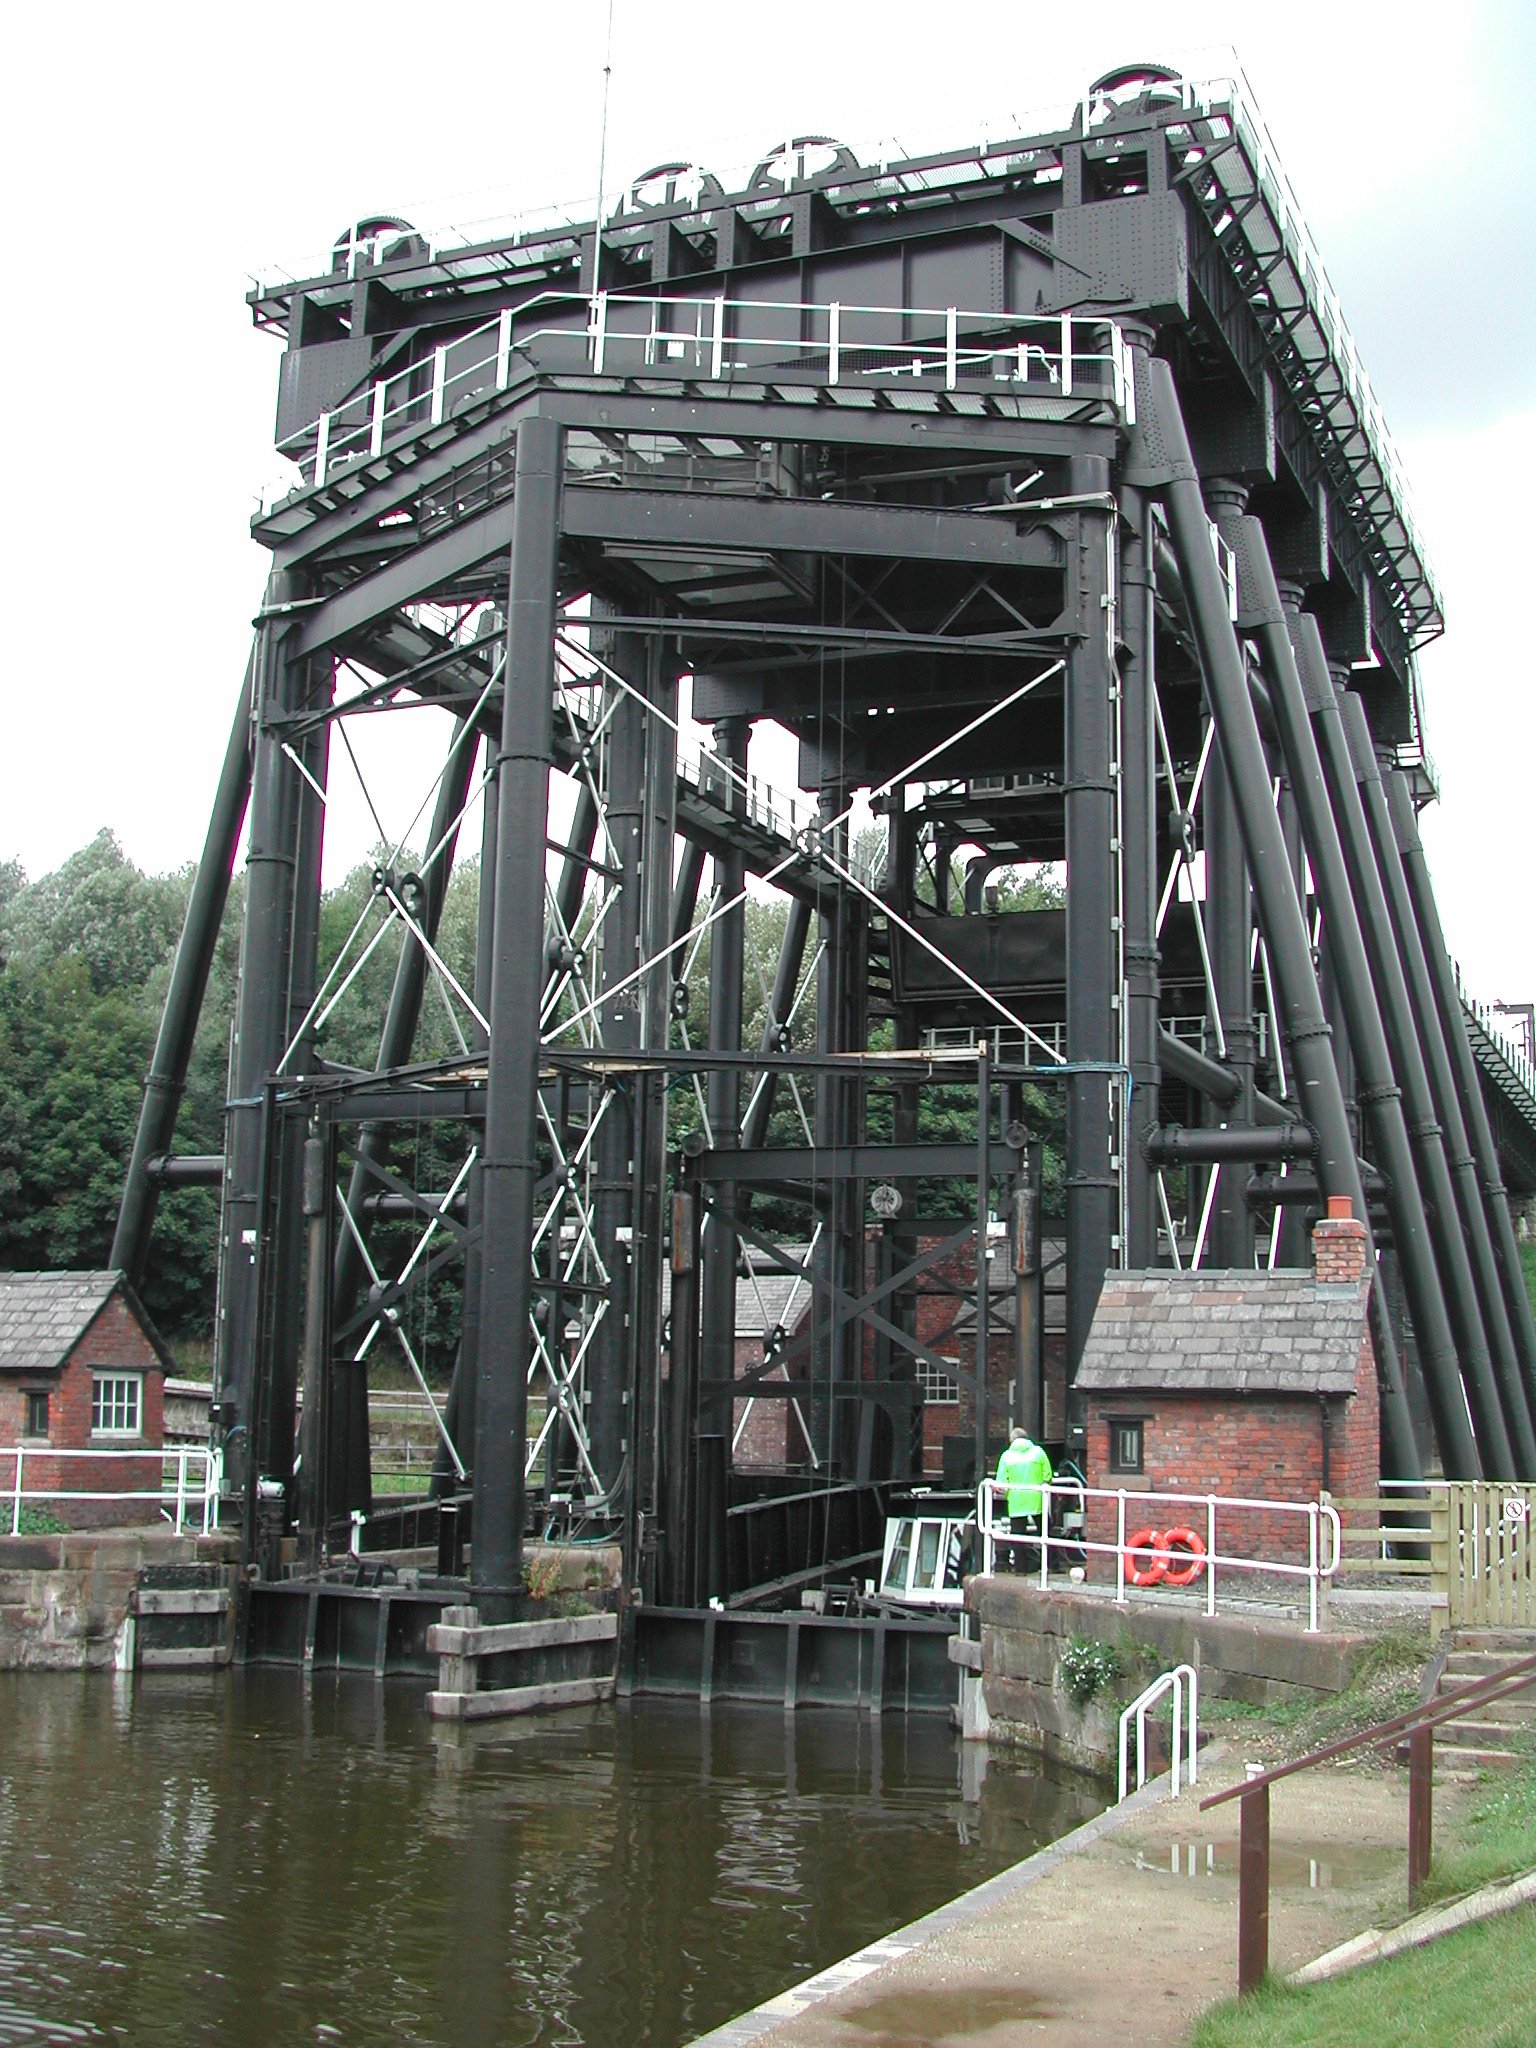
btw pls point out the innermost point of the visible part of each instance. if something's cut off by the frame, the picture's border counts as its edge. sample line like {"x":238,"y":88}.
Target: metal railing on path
{"x":1149,"y":1556}
{"x":188,"y":1481}
{"x":1186,"y":1731}
{"x":1418,"y":1725}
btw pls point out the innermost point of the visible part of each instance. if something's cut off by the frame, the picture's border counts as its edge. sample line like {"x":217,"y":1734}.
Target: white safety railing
{"x":719,"y":339}
{"x":1186,"y":1729}
{"x":1495,"y":1029}
{"x":1146,"y":1517}
{"x":187,"y":1485}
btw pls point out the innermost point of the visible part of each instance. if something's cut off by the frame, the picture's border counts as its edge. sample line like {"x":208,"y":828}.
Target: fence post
{"x":834,"y":339}
{"x":1253,"y":1890}
{"x":322,"y":446}
{"x":951,"y":348}
{"x":181,"y":1488}
{"x":1440,"y":1597}
{"x":18,"y":1454}
{"x":1119,"y":1548}
{"x":1421,"y":1798}
{"x":1210,"y":1553}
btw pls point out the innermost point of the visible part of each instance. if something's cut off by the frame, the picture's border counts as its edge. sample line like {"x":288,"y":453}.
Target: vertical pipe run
{"x":1396,"y":1009}
{"x":717,"y":1287}
{"x":1320,"y":1097}
{"x":260,"y":1013}
{"x":512,"y":1080}
{"x":1474,"y":1109}
{"x":983,"y":1241}
{"x":1292,"y":654}
{"x":1487,"y":1299}
{"x":1092,"y":1191}
{"x":1308,"y":1037}
{"x":624,"y":791}
{"x":1229,"y":927}
{"x":1138,"y":867}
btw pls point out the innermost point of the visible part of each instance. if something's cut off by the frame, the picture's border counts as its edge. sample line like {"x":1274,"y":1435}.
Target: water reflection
{"x":258,"y":1860}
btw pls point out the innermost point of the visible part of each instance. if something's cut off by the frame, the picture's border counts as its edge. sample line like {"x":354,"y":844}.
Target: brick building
{"x":770,"y":1434}
{"x":1260,"y":1385}
{"x":82,"y":1368}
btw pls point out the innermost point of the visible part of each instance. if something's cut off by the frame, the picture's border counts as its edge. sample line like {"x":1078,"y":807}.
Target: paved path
{"x":1123,"y":1933}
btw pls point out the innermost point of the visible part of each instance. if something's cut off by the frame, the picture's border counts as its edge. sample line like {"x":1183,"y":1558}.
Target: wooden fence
{"x":1472,"y":1542}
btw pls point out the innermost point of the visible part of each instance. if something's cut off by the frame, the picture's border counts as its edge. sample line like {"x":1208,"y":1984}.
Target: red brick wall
{"x":1257,"y":1447}
{"x":114,"y":1341}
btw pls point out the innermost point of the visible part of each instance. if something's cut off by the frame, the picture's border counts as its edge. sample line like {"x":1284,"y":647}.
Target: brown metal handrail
{"x":1419,"y":1725}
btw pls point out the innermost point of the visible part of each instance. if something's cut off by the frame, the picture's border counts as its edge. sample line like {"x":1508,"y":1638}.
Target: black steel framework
{"x":1036,"y":491}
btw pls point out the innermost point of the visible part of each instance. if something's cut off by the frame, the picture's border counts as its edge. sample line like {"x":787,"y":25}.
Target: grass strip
{"x":1475,"y":1985}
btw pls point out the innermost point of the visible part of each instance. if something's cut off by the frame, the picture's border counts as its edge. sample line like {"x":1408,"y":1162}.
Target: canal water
{"x":259,"y":1861}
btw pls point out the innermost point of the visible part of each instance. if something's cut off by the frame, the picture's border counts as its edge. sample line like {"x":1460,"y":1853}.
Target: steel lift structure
{"x":1037,"y":490}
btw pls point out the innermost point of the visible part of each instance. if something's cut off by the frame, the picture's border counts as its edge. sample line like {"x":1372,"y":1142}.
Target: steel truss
{"x":1066,"y":579}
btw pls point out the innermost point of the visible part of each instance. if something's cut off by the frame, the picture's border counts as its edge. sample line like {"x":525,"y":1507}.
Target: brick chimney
{"x":1339,"y":1242}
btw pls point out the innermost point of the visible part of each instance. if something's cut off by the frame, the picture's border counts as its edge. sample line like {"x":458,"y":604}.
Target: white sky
{"x":156,"y":156}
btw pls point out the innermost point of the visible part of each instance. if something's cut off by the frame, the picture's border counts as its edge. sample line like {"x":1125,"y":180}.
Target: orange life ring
{"x":1189,"y":1541}
{"x":1138,"y":1546}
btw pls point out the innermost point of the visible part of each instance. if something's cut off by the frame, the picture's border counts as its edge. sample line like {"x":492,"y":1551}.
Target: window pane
{"x":115,"y":1404}
{"x":927,"y":1570}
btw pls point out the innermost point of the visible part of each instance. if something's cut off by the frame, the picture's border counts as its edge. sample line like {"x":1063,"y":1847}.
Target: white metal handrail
{"x":623,"y":334}
{"x":185,"y":1493}
{"x":1322,"y":1561}
{"x":1186,"y":1733}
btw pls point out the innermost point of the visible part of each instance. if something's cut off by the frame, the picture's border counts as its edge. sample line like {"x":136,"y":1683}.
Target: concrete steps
{"x":1490,"y":1737}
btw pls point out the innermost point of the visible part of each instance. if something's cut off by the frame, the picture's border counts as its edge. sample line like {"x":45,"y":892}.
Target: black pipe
{"x":1290,"y":955}
{"x":510,"y":1161}
{"x":186,"y":1169}
{"x":1291,"y":650}
{"x":459,"y":1409}
{"x":167,"y":1075}
{"x":1229,"y":933}
{"x":1184,"y":1062}
{"x":1478,"y":1245}
{"x":1468,"y":1085}
{"x":718,"y":1252}
{"x":1092,"y":1188}
{"x":1176,"y":1145}
{"x":1138,"y":868}
{"x":1366,"y":888}
{"x":608,"y":1409}
{"x":260,"y":1014}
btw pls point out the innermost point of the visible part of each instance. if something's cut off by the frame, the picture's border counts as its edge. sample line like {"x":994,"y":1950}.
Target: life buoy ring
{"x":1193,"y":1545}
{"x":1154,"y":1569}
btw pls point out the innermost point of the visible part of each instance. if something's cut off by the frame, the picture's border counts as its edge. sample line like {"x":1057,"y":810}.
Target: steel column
{"x":1487,"y":1295}
{"x":1469,"y":1091}
{"x":1093,"y":981}
{"x":1291,"y":651}
{"x":512,"y":1079}
{"x":1387,"y":973}
{"x":195,"y":949}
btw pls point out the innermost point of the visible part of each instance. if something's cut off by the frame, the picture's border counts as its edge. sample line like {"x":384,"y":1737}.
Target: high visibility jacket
{"x":1023,"y":1469}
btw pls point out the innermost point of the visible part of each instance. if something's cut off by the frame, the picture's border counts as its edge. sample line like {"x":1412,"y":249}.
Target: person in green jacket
{"x":1022,"y":1470}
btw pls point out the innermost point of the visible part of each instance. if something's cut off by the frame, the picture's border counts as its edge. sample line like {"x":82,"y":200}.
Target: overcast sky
{"x":156,"y":157}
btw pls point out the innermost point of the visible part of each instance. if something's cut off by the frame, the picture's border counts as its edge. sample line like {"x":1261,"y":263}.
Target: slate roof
{"x":1245,"y":1332}
{"x":43,"y":1316}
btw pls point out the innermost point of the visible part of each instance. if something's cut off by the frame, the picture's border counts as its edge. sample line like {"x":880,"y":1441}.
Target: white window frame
{"x":940,"y":1389}
{"x":121,"y":1404}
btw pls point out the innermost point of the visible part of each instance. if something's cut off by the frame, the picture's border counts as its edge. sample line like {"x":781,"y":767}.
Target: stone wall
{"x":65,"y":1600}
{"x":1024,"y":1631}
